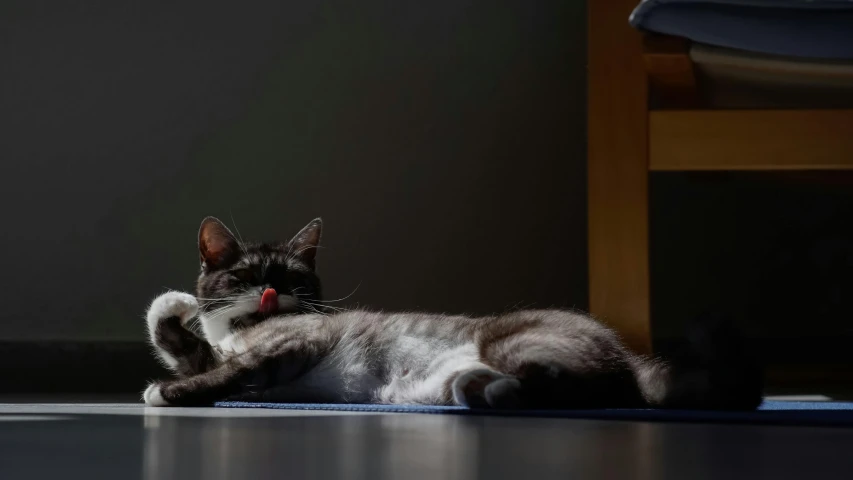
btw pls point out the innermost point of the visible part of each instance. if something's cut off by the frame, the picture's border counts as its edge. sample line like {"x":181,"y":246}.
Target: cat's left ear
{"x":304,"y":244}
{"x":217,"y":246}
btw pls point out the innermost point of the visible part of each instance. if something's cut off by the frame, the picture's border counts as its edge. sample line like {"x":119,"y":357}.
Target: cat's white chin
{"x":218,"y":327}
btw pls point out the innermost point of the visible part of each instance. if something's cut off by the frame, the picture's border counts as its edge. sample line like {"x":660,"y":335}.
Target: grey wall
{"x":442,"y":142}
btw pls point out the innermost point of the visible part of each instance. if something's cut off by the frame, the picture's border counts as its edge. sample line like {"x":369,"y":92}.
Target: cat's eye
{"x":244,"y":275}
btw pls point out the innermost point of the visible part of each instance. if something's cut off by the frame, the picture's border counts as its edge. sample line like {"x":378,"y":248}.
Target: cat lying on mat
{"x":265,"y":335}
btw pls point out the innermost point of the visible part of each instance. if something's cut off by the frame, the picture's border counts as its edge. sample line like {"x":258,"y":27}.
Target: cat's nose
{"x":269,"y":302}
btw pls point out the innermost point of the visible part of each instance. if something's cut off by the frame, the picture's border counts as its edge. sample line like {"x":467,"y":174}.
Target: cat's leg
{"x":198,"y":390}
{"x":556,"y":360}
{"x":543,"y":384}
{"x":177,"y":347}
{"x":270,"y":366}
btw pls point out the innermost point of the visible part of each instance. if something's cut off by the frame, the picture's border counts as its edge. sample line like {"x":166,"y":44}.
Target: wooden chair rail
{"x":692,"y":140}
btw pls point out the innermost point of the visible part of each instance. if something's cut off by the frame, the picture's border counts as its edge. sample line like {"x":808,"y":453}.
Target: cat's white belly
{"x":429,"y":386}
{"x":418,"y":371}
{"x":337,"y":378}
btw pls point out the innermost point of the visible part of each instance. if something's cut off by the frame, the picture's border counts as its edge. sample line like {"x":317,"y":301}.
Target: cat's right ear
{"x":217,"y":246}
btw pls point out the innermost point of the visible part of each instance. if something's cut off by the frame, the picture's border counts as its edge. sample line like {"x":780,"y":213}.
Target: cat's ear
{"x":217,"y":246}
{"x":305,"y":243}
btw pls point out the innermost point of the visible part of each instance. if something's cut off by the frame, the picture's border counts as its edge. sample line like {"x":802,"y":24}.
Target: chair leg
{"x":618,"y":173}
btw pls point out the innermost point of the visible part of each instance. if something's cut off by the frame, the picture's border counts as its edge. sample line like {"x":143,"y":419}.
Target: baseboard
{"x":65,"y":367}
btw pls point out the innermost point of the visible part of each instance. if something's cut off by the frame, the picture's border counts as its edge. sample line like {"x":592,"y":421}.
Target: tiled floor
{"x":126,"y":441}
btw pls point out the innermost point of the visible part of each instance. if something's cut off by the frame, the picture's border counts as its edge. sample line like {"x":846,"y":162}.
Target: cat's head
{"x":242,"y":284}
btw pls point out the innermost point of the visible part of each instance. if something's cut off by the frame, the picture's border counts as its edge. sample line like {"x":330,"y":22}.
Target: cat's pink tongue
{"x":269,"y":302}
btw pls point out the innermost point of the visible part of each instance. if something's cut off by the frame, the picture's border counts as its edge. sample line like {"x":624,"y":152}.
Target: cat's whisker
{"x":312,"y":309}
{"x":209,"y":308}
{"x":342,"y":298}
{"x":294,"y":290}
{"x":216,"y":306}
{"x":215,"y":314}
{"x":212,"y":305}
{"x":321,"y":306}
{"x":234,"y":296}
{"x":195,"y":324}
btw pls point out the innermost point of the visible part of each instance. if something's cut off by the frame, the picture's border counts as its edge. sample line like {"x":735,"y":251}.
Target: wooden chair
{"x":627,"y":139}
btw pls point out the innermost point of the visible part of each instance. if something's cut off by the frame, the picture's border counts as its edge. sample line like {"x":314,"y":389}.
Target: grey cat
{"x":266,"y":335}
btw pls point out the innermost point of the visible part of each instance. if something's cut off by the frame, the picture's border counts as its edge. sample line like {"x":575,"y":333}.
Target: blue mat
{"x":835,"y":414}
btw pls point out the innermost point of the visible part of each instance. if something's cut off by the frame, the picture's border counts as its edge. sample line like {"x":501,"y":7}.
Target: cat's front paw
{"x":153,"y":396}
{"x":172,"y":304}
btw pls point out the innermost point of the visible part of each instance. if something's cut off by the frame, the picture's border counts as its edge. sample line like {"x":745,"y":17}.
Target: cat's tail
{"x":714,"y":369}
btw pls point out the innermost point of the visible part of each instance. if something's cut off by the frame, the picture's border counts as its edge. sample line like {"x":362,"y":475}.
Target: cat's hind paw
{"x":484,"y":388}
{"x":153,"y":396}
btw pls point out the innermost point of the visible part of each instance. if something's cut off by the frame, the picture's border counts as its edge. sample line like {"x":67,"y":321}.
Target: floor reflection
{"x":34,"y":445}
{"x":395,"y":446}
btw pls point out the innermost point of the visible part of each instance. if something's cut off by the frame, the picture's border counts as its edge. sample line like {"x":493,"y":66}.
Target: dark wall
{"x":442,"y":142}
